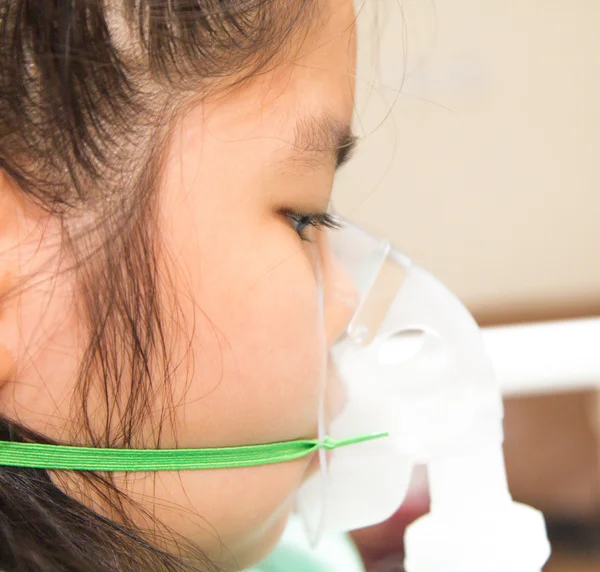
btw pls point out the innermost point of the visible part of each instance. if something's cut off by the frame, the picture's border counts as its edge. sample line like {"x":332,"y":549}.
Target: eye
{"x":302,"y":222}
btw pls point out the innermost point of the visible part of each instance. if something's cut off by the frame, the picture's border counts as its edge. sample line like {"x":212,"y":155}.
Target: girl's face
{"x":235,"y":166}
{"x":252,"y":335}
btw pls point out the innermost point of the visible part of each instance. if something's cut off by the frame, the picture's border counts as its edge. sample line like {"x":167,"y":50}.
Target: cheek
{"x":258,"y":345}
{"x":259,"y":369}
{"x":259,"y":354}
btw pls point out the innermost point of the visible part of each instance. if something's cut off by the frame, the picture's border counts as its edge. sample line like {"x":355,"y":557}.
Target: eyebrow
{"x":320,"y":137}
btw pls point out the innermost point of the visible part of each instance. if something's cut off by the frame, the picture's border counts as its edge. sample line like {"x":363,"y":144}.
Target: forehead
{"x":330,"y":32}
{"x":315,"y":80}
{"x":324,"y":63}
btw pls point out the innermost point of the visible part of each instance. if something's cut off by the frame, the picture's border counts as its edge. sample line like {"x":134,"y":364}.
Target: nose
{"x":340,"y":296}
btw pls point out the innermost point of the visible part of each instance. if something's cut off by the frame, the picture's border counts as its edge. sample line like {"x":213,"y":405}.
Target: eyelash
{"x":302,"y":221}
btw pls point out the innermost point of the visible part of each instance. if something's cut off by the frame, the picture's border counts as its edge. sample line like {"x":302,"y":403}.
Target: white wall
{"x":487,"y":169}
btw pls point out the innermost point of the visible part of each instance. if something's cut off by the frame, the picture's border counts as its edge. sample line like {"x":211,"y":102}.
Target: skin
{"x":255,"y":337}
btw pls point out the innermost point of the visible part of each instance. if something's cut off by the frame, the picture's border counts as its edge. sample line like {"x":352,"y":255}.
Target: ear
{"x":9,"y":214}
{"x":30,"y":237}
{"x":37,"y":313}
{"x":10,"y":223}
{"x":19,"y":231}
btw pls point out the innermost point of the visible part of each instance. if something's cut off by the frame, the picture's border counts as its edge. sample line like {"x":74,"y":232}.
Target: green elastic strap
{"x":72,"y":458}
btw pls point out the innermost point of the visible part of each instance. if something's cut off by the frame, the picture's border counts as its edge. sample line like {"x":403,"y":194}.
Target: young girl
{"x":165,"y":168}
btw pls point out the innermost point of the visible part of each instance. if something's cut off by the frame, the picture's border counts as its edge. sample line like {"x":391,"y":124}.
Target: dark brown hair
{"x":88,"y":91}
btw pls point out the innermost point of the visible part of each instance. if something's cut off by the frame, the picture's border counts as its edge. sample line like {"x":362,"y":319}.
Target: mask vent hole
{"x":402,"y":346}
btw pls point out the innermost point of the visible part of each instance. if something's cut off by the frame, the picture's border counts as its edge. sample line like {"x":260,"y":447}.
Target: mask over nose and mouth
{"x":410,"y":366}
{"x":415,"y":377}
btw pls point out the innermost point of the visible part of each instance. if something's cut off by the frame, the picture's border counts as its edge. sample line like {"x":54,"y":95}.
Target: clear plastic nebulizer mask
{"x":412,"y":365}
{"x":414,"y":385}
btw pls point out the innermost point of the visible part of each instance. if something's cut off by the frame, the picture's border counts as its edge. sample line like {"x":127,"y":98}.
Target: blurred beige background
{"x":481,"y":125}
{"x":480,"y":159}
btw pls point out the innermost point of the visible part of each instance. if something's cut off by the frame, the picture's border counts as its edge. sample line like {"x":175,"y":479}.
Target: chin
{"x":260,"y":542}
